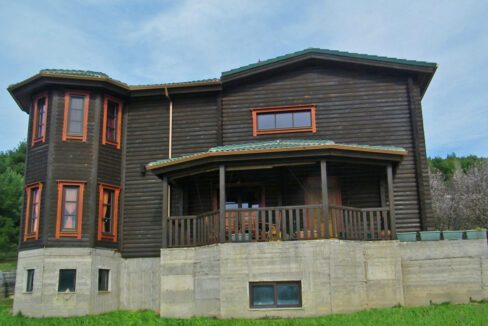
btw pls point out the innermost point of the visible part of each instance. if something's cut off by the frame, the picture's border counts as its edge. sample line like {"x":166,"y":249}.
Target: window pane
{"x":67,"y":280}
{"x":103,"y":279}
{"x":266,"y":121}
{"x":262,"y":295}
{"x":30,"y":280}
{"x":75,"y":116}
{"x":34,"y":210}
{"x":75,"y":128}
{"x":70,"y":208}
{"x":284,"y":120}
{"x":302,"y":119}
{"x":77,"y":102}
{"x":288,"y":294}
{"x":41,"y":109}
{"x":108,"y":198}
{"x":71,"y":194}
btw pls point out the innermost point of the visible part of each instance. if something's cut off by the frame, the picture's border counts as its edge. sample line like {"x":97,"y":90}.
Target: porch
{"x":260,"y":197}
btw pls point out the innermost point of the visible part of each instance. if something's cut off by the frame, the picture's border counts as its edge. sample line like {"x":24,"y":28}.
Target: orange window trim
{"x":276,"y":109}
{"x":69,"y":234}
{"x":119,"y":121}
{"x":35,"y":119}
{"x":116,"y":190}
{"x":67,"y":96}
{"x":28,"y":189}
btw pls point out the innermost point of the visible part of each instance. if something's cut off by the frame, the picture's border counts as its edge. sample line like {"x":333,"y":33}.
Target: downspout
{"x":170,"y":141}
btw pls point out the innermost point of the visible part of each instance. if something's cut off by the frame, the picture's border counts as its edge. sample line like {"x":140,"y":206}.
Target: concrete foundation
{"x":336,"y":276}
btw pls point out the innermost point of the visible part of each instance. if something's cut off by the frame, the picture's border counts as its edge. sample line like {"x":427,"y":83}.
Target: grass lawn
{"x":446,"y":314}
{"x":8,"y":266}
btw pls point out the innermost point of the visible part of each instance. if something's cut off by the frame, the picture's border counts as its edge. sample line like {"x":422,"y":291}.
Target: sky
{"x":141,"y":42}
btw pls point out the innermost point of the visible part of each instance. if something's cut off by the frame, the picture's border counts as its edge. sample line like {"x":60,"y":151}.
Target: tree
{"x":461,"y":201}
{"x":11,"y":185}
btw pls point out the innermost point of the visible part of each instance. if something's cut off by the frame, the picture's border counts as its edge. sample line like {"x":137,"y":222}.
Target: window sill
{"x":26,"y":292}
{"x":276,"y":308}
{"x":104,"y":292}
{"x":70,"y":292}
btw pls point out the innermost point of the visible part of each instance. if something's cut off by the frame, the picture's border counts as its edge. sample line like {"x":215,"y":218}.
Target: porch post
{"x":325,"y":199}
{"x":391,"y":199}
{"x":222,"y":203}
{"x":165,"y":213}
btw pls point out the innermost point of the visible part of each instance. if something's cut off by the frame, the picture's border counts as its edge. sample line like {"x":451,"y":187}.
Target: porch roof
{"x":276,"y":146}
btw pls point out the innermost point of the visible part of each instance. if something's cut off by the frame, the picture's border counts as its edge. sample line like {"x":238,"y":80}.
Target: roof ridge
{"x":330,"y":52}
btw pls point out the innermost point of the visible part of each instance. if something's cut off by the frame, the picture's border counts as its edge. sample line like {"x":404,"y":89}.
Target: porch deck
{"x":284,"y":223}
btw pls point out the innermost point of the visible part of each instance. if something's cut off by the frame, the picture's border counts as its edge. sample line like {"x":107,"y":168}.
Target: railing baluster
{"x":384,"y":215}
{"x":378,"y":220}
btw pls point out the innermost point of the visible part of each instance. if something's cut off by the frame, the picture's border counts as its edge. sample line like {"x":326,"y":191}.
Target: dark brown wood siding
{"x":36,"y":171}
{"x":194,"y":130}
{"x":353,"y":106}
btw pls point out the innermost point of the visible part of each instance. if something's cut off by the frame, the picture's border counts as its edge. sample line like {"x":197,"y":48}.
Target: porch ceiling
{"x":277,"y":149}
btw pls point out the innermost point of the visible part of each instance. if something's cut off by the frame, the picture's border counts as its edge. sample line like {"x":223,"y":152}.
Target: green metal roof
{"x":71,"y":72}
{"x":273,"y":144}
{"x":330,"y":52}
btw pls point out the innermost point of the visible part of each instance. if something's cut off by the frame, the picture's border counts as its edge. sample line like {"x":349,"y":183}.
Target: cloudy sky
{"x":165,"y":41}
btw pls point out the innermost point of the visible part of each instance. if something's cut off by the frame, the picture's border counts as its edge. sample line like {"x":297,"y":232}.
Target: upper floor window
{"x":285,"y":119}
{"x":108,"y":212}
{"x":32,"y":211}
{"x":112,"y":121}
{"x":39,"y":119}
{"x":75,"y":115}
{"x":70,"y":209}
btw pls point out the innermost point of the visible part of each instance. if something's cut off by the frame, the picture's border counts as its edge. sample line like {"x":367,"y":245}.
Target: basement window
{"x":276,"y":120}
{"x":67,"y":280}
{"x":103,"y":280}
{"x":275,"y":294}
{"x":30,"y":281}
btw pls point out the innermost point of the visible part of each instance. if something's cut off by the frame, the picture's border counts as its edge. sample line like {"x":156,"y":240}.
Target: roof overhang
{"x":258,"y":156}
{"x":22,"y":91}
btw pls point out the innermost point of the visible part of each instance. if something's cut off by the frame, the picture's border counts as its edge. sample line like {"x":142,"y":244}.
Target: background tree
{"x":11,"y":189}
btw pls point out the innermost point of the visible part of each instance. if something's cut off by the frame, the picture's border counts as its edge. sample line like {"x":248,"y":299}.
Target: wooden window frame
{"x":35,"y":118}
{"x":278,"y":109}
{"x":28,"y":189}
{"x":70,"y":234}
{"x":116,"y":190}
{"x":105,"y":141}
{"x":86,"y":105}
{"x":275,"y":288}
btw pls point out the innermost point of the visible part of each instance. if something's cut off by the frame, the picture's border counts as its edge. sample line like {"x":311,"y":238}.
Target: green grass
{"x":8,"y":265}
{"x":446,"y":314}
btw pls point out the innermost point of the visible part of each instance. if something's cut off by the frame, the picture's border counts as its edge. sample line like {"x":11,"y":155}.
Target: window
{"x":39,"y":119}
{"x":70,"y":209}
{"x":108,"y":212}
{"x":32,"y":211}
{"x":67,"y":280}
{"x":112,"y":121}
{"x":284,"y":119}
{"x":275,"y":294}
{"x":75,"y":115}
{"x":103,"y":280}
{"x":30,"y":281}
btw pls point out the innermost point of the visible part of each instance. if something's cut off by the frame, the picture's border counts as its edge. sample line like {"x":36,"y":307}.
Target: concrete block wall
{"x":336,"y":276}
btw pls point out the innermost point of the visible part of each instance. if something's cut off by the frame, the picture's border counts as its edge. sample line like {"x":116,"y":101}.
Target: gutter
{"x":170,"y":141}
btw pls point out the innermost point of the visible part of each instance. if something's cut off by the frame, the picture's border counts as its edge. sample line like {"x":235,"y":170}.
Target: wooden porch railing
{"x":280,"y":224}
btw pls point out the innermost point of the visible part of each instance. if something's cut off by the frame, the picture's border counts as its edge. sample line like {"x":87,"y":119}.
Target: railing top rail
{"x":272,"y":208}
{"x":182,"y":217}
{"x":376,"y":209}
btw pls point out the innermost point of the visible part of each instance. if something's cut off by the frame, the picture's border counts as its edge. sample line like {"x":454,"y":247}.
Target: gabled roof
{"x":333,"y":53}
{"x":289,"y":145}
